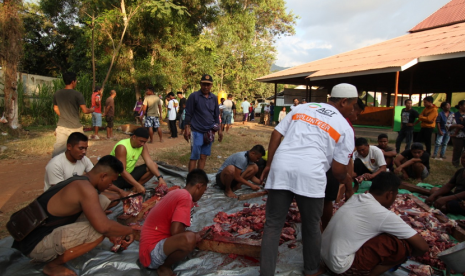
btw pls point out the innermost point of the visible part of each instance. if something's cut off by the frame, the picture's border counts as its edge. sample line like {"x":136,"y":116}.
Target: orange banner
{"x":316,"y":122}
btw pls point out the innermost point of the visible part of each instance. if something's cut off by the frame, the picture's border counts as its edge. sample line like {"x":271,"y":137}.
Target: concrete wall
{"x":318,"y":96}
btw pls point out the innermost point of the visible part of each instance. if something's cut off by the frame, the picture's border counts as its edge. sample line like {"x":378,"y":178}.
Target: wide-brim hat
{"x":206,"y":79}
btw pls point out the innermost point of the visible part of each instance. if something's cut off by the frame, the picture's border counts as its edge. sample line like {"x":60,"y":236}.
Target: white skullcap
{"x":344,"y":90}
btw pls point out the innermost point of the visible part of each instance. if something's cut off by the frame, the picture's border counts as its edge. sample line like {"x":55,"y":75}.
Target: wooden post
{"x":366,"y":97}
{"x":275,"y":93}
{"x":388,"y":99}
{"x":306,"y":91}
{"x":374,"y":99}
{"x":419,"y":99}
{"x":396,"y":89}
{"x":449,"y":96}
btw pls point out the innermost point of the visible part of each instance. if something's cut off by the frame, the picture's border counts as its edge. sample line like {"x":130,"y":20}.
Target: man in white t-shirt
{"x":316,"y":137}
{"x":364,"y":237}
{"x":227,"y":113}
{"x":69,"y":163}
{"x":75,"y":162}
{"x":368,"y":160}
{"x":296,"y":103}
{"x":173,"y":106}
{"x":245,"y":110}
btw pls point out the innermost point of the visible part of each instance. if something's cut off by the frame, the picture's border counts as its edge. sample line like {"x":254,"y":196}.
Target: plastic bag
{"x":3,"y":119}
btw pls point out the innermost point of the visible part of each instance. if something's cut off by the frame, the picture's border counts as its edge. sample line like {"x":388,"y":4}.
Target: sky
{"x":330,"y":27}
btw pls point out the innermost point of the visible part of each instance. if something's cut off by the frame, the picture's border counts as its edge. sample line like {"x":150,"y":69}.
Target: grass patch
{"x":237,"y":139}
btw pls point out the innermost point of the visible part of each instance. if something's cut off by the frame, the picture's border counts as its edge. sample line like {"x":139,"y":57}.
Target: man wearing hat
{"x":201,"y":122}
{"x":128,"y":151}
{"x":316,"y":137}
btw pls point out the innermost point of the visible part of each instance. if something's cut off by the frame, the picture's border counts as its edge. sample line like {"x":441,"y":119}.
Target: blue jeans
{"x":441,"y":141}
{"x":404,"y":134}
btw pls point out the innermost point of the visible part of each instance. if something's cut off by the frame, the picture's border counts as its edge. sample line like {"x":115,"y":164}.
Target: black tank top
{"x":31,"y":240}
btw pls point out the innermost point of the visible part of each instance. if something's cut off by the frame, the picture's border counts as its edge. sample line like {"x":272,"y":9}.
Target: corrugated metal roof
{"x":396,"y":54}
{"x":451,"y":13}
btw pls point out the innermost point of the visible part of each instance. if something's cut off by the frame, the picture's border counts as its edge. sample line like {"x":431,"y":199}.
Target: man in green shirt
{"x":128,"y":152}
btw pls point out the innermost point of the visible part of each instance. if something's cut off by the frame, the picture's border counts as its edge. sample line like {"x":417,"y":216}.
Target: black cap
{"x":141,"y":132}
{"x":206,"y":79}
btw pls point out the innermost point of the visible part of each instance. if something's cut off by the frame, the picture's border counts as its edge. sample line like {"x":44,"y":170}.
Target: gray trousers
{"x":277,"y":207}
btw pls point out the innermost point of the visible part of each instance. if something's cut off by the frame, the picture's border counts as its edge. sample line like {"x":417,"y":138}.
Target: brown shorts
{"x":67,"y":237}
{"x":384,"y":249}
{"x":109,"y":120}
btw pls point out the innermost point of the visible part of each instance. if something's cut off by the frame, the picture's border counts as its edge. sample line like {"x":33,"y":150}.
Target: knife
{"x":126,"y":197}
{"x":206,"y":234}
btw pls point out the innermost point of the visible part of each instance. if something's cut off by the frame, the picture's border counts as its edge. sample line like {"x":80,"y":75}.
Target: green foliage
{"x":168,"y":43}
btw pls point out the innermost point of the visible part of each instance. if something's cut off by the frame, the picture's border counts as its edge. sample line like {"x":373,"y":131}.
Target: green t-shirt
{"x":69,"y":102}
{"x":132,"y":154}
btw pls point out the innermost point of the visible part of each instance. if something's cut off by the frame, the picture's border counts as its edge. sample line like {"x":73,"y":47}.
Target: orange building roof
{"x":451,"y":13}
{"x":397,"y":54}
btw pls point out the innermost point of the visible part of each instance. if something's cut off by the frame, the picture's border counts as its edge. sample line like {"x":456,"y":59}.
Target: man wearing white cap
{"x":316,"y":137}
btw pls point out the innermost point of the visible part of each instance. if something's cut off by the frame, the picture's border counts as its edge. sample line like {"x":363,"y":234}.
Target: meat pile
{"x":162,"y":190}
{"x":435,"y":233}
{"x":118,"y":244}
{"x":133,"y":205}
{"x":251,"y":220}
{"x":420,"y":270}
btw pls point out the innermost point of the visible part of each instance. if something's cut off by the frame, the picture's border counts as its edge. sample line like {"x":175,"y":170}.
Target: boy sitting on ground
{"x":368,"y":160}
{"x":446,"y":200}
{"x":365,"y":238}
{"x":413,"y":163}
{"x":76,"y":220}
{"x":164,"y":240}
{"x":388,"y":152}
{"x":238,"y":169}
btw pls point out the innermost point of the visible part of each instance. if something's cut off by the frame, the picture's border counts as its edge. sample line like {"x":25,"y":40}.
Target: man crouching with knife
{"x":164,"y":240}
{"x":76,"y":220}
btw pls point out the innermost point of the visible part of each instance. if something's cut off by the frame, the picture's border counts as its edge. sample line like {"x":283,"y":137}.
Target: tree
{"x":10,"y":53}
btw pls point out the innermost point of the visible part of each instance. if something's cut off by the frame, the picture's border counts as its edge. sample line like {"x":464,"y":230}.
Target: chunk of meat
{"x":133,"y":205}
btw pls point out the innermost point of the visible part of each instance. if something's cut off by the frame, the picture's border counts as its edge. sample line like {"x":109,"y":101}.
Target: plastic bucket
{"x":454,"y":258}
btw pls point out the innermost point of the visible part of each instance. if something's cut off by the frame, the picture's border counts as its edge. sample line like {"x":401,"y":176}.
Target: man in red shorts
{"x":164,"y":240}
{"x":365,"y":238}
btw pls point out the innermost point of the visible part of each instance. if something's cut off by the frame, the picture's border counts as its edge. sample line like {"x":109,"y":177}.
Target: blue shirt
{"x":442,"y":119}
{"x":239,"y":160}
{"x":202,"y":113}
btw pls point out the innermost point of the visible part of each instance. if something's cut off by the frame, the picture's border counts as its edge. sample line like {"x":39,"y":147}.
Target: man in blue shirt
{"x":202,"y":121}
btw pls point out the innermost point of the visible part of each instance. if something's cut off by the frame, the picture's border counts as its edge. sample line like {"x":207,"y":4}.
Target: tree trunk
{"x":132,"y":72}
{"x":93,"y":54}
{"x":10,"y":52}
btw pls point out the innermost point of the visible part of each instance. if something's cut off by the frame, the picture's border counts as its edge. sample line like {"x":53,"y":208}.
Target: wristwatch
{"x":160,"y":176}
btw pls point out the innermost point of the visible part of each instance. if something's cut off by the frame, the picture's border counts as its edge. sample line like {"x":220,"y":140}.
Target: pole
{"x":306,"y":90}
{"x":396,"y":88}
{"x":275,"y":93}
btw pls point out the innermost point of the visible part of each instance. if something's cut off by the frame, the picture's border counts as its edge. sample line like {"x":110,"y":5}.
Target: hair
{"x":222,"y":99}
{"x":429,"y":99}
{"x":295,"y":99}
{"x":110,"y":161}
{"x":112,"y":92}
{"x":382,"y":136}
{"x":196,"y":176}
{"x":461,"y":103}
{"x":407,"y":100}
{"x":361,"y":142}
{"x":259,"y":149}
{"x":417,"y":146}
{"x":76,"y":137}
{"x":179,"y":92}
{"x":171,"y":94}
{"x":69,"y":77}
{"x":360,"y":104}
{"x":384,"y":182}
{"x":140,"y":98}
{"x":245,"y":99}
{"x":229,"y":96}
{"x":97,"y":88}
{"x":151,"y":88}
{"x":141,"y":132}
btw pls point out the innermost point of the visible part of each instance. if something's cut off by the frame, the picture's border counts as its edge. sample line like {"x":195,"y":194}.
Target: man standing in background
{"x":110,"y":113}
{"x":97,"y":114}
{"x":245,"y":110}
{"x":182,"y":102}
{"x":172,"y":113}
{"x":152,"y":110}
{"x":203,"y":119}
{"x":66,"y":104}
{"x":227,"y":113}
{"x":407,"y":118}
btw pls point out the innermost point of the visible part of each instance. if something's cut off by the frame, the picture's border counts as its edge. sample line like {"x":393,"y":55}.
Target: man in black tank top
{"x":76,"y":220}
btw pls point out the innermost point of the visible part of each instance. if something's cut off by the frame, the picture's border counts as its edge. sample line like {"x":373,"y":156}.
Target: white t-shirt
{"x":373,"y":160}
{"x":173,"y":109}
{"x":245,"y":107}
{"x":266,"y":109}
{"x":360,"y":219}
{"x":227,"y":106}
{"x":60,"y":168}
{"x":314,"y":135}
